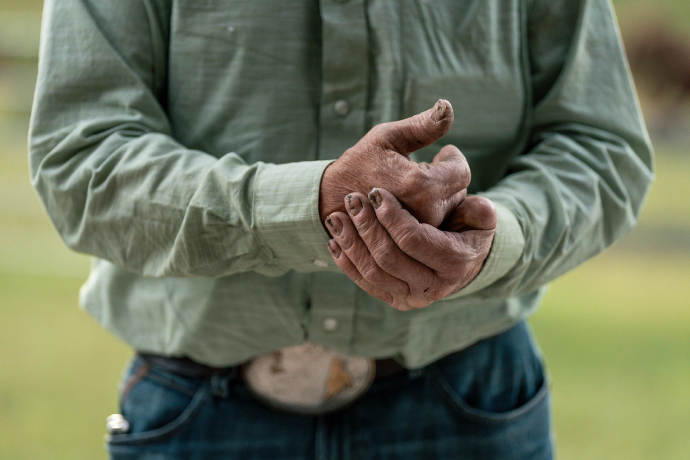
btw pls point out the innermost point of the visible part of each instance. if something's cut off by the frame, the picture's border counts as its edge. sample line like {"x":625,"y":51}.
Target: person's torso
{"x":294,"y":81}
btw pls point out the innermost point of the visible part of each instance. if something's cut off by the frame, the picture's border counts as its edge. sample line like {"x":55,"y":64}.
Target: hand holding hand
{"x":381,"y":158}
{"x":408,"y":264}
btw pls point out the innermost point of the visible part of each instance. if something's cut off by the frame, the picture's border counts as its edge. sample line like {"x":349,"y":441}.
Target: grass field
{"x":615,"y":331}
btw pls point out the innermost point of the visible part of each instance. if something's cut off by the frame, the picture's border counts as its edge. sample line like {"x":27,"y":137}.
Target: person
{"x":267,"y":193}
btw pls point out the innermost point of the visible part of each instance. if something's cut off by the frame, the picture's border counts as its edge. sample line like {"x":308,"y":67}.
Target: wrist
{"x":330,"y":197}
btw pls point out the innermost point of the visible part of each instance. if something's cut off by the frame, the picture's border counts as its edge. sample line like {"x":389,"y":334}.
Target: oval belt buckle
{"x":308,"y":379}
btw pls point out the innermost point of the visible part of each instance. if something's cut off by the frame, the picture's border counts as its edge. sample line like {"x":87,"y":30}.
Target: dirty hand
{"x":405,"y":263}
{"x":381,"y":158}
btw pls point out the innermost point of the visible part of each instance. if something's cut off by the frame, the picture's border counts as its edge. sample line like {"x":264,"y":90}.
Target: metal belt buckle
{"x":308,"y":379}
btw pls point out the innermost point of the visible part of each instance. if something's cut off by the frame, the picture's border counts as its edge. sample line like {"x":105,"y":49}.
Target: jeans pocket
{"x":157,"y":404}
{"x":497,"y":380}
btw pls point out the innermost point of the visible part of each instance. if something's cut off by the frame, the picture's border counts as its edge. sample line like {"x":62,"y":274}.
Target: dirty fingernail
{"x":439,"y":110}
{"x":334,"y":249}
{"x":335,"y":225}
{"x":354,"y":205}
{"x":375,"y":198}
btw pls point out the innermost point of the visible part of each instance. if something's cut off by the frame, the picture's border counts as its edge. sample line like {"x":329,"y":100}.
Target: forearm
{"x":118,"y":185}
{"x":582,"y":183}
{"x":156,"y":208}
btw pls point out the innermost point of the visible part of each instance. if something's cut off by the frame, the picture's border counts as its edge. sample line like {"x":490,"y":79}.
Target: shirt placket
{"x":344,"y":85}
{"x":345,"y":73}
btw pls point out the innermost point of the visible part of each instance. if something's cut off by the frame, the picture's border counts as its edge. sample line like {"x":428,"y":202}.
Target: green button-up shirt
{"x":182,"y":144}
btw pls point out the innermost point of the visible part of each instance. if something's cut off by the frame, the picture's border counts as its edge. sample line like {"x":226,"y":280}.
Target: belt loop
{"x":220,"y":382}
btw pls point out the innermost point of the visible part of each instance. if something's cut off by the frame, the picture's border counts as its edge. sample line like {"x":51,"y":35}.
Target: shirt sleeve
{"x":582,"y":181}
{"x":115,"y":182}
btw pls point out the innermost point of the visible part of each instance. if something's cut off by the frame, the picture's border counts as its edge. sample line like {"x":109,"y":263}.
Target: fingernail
{"x":335,"y":224}
{"x":439,"y":110}
{"x":334,"y":249}
{"x":354,"y":205}
{"x":375,"y":198}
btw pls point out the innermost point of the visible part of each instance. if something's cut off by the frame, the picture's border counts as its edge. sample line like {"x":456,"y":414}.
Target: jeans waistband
{"x":189,"y":368}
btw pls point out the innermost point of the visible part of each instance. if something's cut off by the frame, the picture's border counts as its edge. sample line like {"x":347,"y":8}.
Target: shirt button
{"x":341,"y":108}
{"x":330,"y":324}
{"x":320,"y":263}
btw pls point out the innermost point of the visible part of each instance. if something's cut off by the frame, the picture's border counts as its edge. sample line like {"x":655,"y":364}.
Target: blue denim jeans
{"x":489,"y":401}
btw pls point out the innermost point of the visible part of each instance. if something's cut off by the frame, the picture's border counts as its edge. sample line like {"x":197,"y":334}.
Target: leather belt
{"x":305,"y":379}
{"x":186,"y":367}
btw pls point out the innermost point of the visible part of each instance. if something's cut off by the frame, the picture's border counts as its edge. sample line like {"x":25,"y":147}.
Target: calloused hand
{"x":381,"y":158}
{"x":405,"y":263}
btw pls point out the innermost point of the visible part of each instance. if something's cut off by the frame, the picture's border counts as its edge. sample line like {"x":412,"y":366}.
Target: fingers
{"x":474,"y":213}
{"x":408,"y":264}
{"x":450,"y":171}
{"x":422,"y":242}
{"x":348,"y":239}
{"x":448,"y":153}
{"x":411,"y":134}
{"x":346,"y":265}
{"x":387,"y":255}
{"x":450,"y":166}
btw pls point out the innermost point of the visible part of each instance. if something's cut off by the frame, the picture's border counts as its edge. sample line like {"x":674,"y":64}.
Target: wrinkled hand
{"x":381,"y":159}
{"x":408,"y":264}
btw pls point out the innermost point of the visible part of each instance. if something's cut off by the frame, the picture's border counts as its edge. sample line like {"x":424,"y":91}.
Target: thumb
{"x":474,"y":213}
{"x":411,"y":134}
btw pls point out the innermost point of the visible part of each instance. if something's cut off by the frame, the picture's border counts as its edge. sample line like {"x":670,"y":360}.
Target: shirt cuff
{"x":286,"y":213}
{"x":506,"y":249}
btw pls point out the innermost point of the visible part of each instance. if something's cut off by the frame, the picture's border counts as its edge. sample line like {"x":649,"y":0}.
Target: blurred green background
{"x":615,"y":332}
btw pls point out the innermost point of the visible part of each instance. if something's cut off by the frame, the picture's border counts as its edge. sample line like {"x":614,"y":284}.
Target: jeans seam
{"x":169,"y":383}
{"x":166,"y":431}
{"x":135,"y":378}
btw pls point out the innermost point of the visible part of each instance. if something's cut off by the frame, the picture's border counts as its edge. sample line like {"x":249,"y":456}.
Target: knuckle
{"x":392,"y":136}
{"x":389,"y":299}
{"x":349,"y":269}
{"x":436,"y":295}
{"x":389,"y":215}
{"x":420,"y":180}
{"x":346,"y":242}
{"x":377,"y":277}
{"x":419,"y":302}
{"x":366,"y":225}
{"x":383,"y":134}
{"x":386,"y":216}
{"x":451,"y":175}
{"x":408,"y":239}
{"x":371,"y":274}
{"x":400,"y":305}
{"x":379,"y":129}
{"x":384,"y":256}
{"x":350,"y":152}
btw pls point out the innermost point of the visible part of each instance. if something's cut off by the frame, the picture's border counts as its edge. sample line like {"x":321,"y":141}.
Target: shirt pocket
{"x":497,"y":380}
{"x":242,"y":78}
{"x":469,"y":53}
